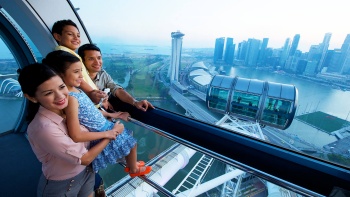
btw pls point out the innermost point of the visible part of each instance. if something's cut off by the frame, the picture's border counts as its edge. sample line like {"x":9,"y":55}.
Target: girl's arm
{"x":74,"y":126}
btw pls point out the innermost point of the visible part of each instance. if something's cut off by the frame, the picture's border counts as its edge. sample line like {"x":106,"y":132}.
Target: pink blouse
{"x":59,"y":154}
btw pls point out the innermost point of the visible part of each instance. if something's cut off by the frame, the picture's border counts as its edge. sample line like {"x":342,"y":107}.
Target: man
{"x":92,"y":59}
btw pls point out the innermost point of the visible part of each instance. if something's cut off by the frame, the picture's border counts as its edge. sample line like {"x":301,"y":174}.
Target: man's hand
{"x":119,"y":115}
{"x":143,"y":105}
{"x":97,"y":95}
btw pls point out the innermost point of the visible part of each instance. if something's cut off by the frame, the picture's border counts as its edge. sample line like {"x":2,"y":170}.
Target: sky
{"x":150,"y":22}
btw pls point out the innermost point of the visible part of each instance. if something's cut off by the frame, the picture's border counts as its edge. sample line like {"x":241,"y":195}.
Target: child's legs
{"x":131,"y":159}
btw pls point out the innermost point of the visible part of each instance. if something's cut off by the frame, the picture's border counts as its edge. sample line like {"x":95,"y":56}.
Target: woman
{"x":65,"y":164}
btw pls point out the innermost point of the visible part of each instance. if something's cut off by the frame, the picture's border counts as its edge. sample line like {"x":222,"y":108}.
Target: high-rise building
{"x":242,"y":50}
{"x":294,"y":46}
{"x":229,"y":43}
{"x":251,"y":57}
{"x":219,"y":49}
{"x":332,"y":61}
{"x":176,"y":48}
{"x":345,"y":53}
{"x":323,"y":49}
{"x":284,"y":53}
{"x":262,"y":53}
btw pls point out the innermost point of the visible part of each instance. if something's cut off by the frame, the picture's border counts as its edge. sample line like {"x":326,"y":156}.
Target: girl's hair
{"x":60,"y":60}
{"x":30,"y":78}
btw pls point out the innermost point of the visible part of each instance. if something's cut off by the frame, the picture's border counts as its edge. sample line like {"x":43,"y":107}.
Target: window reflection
{"x":320,"y":72}
{"x":11,"y":97}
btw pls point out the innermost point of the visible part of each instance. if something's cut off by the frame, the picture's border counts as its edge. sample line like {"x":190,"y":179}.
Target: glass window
{"x":11,"y":97}
{"x":141,"y":52}
{"x":245,"y":104}
{"x":218,"y":98}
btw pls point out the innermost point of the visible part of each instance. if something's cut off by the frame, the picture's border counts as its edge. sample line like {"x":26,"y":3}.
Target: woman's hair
{"x":60,"y":60}
{"x":30,"y":78}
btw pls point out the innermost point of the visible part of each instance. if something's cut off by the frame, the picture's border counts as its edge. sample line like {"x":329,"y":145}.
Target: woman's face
{"x":52,"y":94}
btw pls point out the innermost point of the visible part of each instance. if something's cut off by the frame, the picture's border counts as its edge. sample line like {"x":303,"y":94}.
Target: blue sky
{"x":151,"y":22}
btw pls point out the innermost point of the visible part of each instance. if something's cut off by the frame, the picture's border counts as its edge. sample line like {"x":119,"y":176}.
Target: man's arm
{"x":127,"y":98}
{"x":107,"y":81}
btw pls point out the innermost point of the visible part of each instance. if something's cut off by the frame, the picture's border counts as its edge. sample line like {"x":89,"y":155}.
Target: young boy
{"x":67,"y":35}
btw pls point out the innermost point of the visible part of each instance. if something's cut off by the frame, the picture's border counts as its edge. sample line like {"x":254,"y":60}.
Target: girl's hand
{"x":113,"y":133}
{"x":118,"y":127}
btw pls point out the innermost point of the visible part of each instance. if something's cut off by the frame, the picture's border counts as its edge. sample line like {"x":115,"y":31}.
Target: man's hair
{"x":59,"y":25}
{"x":87,"y":47}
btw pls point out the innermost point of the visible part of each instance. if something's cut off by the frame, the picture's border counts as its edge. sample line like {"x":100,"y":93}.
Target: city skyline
{"x":149,"y":23}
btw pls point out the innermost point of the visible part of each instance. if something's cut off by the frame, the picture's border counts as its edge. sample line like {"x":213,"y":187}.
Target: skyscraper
{"x":261,"y":58}
{"x":229,"y":51}
{"x":251,"y":57}
{"x":176,"y":48}
{"x":219,"y":49}
{"x":284,"y":53}
{"x":324,"y":48}
{"x":345,"y":53}
{"x":294,"y":46}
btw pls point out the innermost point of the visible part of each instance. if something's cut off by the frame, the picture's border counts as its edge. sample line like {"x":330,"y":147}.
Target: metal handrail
{"x":227,"y":160}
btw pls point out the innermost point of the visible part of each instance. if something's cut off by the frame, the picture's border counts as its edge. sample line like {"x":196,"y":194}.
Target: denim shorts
{"x":80,"y":185}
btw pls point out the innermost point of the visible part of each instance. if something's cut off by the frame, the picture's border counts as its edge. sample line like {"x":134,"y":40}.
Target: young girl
{"x":82,"y":110}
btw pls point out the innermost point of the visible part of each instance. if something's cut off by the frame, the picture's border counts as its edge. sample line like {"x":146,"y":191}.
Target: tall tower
{"x":294,"y":46}
{"x":228,"y":51}
{"x":261,"y":58}
{"x":284,"y":53}
{"x":251,"y":57}
{"x":176,"y":48}
{"x":324,"y":48}
{"x":219,"y":49}
{"x":345,"y":53}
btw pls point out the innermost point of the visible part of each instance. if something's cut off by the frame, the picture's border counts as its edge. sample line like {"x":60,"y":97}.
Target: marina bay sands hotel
{"x":176,"y":48}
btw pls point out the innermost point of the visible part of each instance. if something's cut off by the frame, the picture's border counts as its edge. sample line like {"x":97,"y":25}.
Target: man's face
{"x":93,"y":60}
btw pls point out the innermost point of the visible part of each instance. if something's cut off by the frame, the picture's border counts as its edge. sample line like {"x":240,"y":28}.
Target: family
{"x":69,"y":134}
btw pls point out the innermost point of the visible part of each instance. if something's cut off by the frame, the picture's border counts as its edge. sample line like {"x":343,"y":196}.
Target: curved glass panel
{"x":13,"y":44}
{"x":11,"y":97}
{"x":140,"y":54}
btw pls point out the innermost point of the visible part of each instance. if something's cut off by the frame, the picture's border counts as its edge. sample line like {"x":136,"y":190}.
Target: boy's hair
{"x":86,"y":47}
{"x":60,"y":60}
{"x":59,"y":25}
